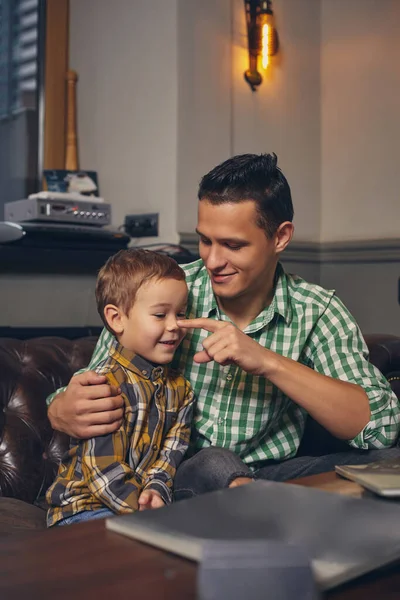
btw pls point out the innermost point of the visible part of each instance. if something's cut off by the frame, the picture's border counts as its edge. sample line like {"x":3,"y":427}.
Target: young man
{"x":264,"y":348}
{"x":140,"y":295}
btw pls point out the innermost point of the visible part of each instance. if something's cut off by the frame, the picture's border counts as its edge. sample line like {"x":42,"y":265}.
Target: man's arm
{"x":335,"y":397}
{"x":338,"y":349}
{"x":88,"y":406}
{"x":161,"y":475}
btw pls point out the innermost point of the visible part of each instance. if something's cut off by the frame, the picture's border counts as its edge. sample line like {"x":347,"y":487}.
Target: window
{"x":33,"y":64}
{"x":20,"y":83}
{"x":19,"y":24}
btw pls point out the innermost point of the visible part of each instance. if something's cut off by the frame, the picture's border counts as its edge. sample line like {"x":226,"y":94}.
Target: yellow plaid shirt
{"x":112,"y":470}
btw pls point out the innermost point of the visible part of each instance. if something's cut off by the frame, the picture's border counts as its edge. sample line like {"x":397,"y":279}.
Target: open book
{"x":343,"y":536}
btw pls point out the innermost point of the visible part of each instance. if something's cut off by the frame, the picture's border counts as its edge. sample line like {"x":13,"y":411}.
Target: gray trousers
{"x":215,"y":468}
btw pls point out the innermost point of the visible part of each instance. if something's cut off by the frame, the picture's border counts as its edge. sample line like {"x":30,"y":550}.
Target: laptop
{"x":381,"y":477}
{"x":343,"y":537}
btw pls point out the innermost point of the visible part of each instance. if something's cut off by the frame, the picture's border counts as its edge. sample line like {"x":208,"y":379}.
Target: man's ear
{"x":113,"y":316}
{"x":283,"y":236}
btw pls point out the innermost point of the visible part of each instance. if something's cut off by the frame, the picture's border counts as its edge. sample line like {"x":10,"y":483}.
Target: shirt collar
{"x":281,"y":303}
{"x":135,"y":363}
{"x":210,"y":305}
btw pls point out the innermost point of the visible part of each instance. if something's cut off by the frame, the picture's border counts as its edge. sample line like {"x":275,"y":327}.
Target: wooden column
{"x":56,"y":67}
{"x":71,"y":152}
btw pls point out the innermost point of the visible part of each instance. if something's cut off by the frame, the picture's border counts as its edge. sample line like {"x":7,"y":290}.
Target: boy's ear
{"x":283,"y":236}
{"x":113,"y":316}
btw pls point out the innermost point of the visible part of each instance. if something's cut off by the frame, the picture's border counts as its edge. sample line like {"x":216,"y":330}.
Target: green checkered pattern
{"x":248,"y":414}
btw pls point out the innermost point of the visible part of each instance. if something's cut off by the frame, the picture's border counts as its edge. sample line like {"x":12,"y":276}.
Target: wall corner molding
{"x":320,"y":253}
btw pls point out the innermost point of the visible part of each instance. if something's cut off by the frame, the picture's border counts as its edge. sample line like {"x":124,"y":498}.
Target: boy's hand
{"x":89,"y":407}
{"x":150,"y":499}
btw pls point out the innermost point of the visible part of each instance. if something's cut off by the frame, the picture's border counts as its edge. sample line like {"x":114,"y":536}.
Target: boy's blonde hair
{"x":124,"y":273}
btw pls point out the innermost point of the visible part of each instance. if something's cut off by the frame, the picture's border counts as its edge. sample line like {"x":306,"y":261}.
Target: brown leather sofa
{"x":30,"y":450}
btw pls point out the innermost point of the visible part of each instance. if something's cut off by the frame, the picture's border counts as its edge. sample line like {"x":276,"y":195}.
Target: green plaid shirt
{"x":248,"y":414}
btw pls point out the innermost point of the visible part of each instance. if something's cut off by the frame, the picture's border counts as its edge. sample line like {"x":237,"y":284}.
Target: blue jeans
{"x":215,"y":468}
{"x":87,"y":515}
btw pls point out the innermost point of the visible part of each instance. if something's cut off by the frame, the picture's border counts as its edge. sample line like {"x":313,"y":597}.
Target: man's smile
{"x":222,"y":277}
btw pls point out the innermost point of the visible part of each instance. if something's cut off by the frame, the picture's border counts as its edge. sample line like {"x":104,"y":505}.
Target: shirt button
{"x":229,"y":377}
{"x":155,"y":447}
{"x":220,"y":421}
{"x":144,"y":372}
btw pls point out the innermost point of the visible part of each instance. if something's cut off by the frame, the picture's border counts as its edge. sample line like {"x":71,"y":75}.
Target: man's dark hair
{"x":251,"y":177}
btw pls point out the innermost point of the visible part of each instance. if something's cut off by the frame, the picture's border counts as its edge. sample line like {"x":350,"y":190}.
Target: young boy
{"x":140,"y":295}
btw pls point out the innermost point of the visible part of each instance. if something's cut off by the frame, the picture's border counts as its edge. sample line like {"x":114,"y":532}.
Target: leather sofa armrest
{"x":29,"y":371}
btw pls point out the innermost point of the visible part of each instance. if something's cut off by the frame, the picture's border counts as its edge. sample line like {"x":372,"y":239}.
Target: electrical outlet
{"x":142,"y":225}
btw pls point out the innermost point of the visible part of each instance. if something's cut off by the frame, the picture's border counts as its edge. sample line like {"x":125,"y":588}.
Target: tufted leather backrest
{"x":385,"y":354}
{"x":31,"y":370}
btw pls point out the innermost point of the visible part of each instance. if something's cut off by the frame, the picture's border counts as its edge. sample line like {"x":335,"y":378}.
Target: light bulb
{"x":268,"y":40}
{"x":264,"y":45}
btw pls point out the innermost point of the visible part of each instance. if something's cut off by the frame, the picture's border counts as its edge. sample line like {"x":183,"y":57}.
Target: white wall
{"x":282,"y":116}
{"x":125,"y":52}
{"x":328,"y":107}
{"x":204,"y":98}
{"x":360,"y":119}
{"x":162,"y":99}
{"x":220,"y":116}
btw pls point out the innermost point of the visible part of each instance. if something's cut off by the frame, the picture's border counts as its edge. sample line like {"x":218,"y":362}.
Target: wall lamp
{"x":262,"y":38}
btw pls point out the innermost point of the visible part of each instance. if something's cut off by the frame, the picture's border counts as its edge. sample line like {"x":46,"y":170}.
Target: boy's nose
{"x":172,"y":324}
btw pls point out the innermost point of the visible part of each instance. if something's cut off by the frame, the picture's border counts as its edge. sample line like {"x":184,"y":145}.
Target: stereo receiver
{"x":58,"y":210}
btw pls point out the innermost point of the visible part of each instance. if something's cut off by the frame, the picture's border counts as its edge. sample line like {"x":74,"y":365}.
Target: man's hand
{"x":150,"y":499}
{"x":89,"y":407}
{"x":344,"y":409}
{"x":227,"y":345}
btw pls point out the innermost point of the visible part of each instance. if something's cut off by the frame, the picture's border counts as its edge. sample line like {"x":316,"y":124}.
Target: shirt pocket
{"x":131,"y":418}
{"x":171,"y":417}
